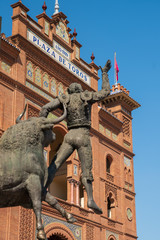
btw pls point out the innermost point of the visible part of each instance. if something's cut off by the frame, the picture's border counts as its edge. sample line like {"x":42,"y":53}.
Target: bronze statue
{"x":78,"y":104}
{"x":23,"y":170}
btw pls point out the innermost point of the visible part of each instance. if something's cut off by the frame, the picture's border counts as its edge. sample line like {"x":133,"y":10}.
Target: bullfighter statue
{"x":78,"y":104}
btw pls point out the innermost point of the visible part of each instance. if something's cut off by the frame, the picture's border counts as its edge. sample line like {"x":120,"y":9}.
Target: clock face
{"x":61,"y":31}
{"x":129,"y":214}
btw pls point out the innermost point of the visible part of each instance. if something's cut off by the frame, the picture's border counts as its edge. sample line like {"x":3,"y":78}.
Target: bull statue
{"x":23,"y":170}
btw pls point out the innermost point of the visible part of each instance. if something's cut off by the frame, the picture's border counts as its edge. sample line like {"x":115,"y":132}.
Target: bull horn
{"x":61,"y":118}
{"x":21,"y":115}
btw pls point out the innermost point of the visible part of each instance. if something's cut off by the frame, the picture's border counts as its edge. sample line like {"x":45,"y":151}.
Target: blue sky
{"x":132,"y":29}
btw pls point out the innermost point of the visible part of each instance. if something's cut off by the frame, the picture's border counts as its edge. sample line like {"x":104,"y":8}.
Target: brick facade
{"x":38,"y":62}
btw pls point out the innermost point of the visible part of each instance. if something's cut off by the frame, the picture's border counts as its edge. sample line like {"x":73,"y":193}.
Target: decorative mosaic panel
{"x":53,"y":87}
{"x":77,"y":52}
{"x":129,"y":214}
{"x":29,"y":73}
{"x":46,"y":82}
{"x":109,"y":233}
{"x":23,"y":13}
{"x":101,"y":128}
{"x":46,"y":27}
{"x":75,"y":170}
{"x":127,"y":161}
{"x":60,"y":89}
{"x":114,"y":136}
{"x":126,"y":145}
{"x":61,"y":31}
{"x":108,"y":132}
{"x":38,"y":77}
{"x":6,"y":67}
{"x":52,"y":116}
{"x":40,"y":92}
{"x":76,"y":230}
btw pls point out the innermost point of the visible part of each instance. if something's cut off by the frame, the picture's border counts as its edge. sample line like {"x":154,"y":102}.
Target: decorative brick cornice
{"x":129,"y":192}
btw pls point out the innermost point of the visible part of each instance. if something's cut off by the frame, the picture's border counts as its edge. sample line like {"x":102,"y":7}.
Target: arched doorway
{"x":57,"y":237}
{"x":58,"y":187}
{"x":58,"y":231}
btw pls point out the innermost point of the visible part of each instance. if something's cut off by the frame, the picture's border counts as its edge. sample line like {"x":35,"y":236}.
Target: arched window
{"x":58,"y":187}
{"x":108,"y":164}
{"x":129,"y":176}
{"x":81,"y":195}
{"x":110,"y":206}
{"x":125,"y":174}
{"x":57,"y":237}
{"x":111,"y":238}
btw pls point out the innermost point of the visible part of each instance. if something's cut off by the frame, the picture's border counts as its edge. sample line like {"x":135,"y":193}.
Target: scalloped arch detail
{"x":60,"y":230}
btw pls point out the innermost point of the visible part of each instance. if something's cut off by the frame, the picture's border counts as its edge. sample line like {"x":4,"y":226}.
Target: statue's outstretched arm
{"x":100,"y":95}
{"x":49,"y":107}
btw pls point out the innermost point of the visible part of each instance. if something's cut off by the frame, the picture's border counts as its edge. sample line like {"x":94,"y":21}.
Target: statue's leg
{"x":54,"y":203}
{"x":63,"y":153}
{"x":34,"y":188}
{"x":85,"y":156}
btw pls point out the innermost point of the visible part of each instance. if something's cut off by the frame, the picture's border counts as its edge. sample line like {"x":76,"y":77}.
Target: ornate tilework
{"x":127,"y":161}
{"x":23,"y":13}
{"x":114,"y":136}
{"x":40,"y":92}
{"x":77,"y":53}
{"x":61,"y":31}
{"x":109,"y":233}
{"x":126,"y":145}
{"x":53,"y":87}
{"x":52,"y":116}
{"x":75,"y":170}
{"x":46,"y":27}
{"x":108,"y":132}
{"x":60,"y":89}
{"x":46,"y":82}
{"x":38,"y":77}
{"x":76,"y":230}
{"x":101,"y":128}
{"x":6,"y":67}
{"x":29,"y":73}
{"x":129,"y":214}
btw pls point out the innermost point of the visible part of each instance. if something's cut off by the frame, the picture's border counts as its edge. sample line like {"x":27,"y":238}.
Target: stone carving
{"x":89,"y":232}
{"x":26,"y":224}
{"x":23,"y":170}
{"x":78,"y":104}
